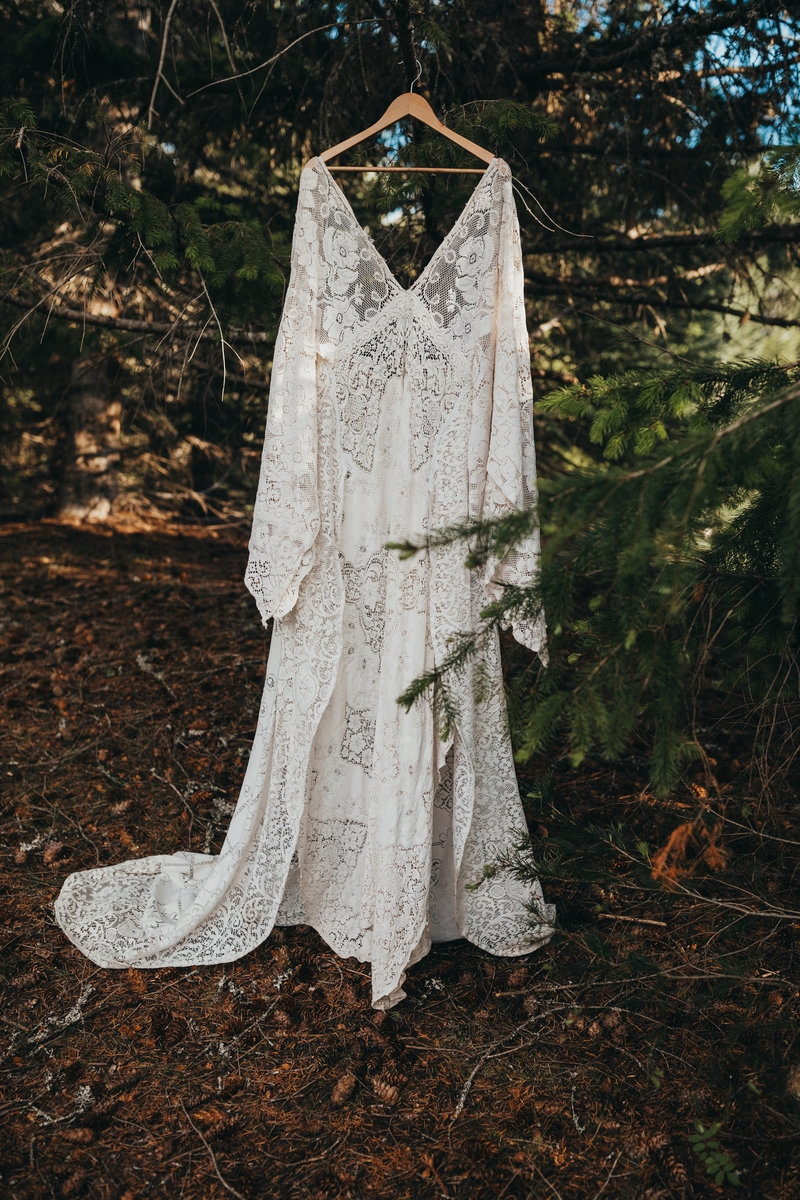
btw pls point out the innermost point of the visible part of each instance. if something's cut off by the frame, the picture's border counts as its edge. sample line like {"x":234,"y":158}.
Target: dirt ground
{"x":650,"y":1050}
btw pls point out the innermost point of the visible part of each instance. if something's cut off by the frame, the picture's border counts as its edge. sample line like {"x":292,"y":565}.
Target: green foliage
{"x":489,"y":872}
{"x":628,"y":414}
{"x":433,"y":33}
{"x":86,"y":185}
{"x":670,"y":564}
{"x":669,"y":498}
{"x":755,"y":197}
{"x":717,"y":1161}
{"x":683,"y":566}
{"x":502,"y":120}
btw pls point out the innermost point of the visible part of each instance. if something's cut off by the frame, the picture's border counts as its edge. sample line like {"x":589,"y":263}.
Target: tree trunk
{"x":92,"y":458}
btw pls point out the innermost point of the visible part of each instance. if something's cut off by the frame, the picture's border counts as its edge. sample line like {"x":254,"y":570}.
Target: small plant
{"x":718,"y":1162}
{"x":544,"y":790}
{"x":489,"y":871}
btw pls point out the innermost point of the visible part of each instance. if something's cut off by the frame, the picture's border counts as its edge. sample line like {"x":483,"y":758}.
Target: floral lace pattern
{"x":392,"y":412}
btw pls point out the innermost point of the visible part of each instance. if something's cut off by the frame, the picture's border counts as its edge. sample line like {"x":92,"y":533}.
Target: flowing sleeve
{"x":286,"y":518}
{"x":511,"y":462}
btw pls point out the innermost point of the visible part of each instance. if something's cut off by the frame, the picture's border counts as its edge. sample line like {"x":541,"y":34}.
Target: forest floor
{"x":651,"y":1049}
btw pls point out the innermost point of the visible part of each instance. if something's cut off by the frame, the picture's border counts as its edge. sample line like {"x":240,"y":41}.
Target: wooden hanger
{"x":409,"y":104}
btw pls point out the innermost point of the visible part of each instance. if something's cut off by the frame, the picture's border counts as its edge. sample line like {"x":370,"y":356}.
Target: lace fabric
{"x":392,"y":412}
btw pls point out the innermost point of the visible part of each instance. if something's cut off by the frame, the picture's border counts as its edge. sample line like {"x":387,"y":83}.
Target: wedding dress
{"x":392,"y":411}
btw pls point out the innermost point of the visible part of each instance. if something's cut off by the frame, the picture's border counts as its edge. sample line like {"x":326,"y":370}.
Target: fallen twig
{"x":636,"y":920}
{"x":610,"y":1173}
{"x":207,"y":1145}
{"x":490,"y":1053}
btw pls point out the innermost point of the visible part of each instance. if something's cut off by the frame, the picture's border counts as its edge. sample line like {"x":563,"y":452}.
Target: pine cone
{"x":387,"y":1085}
{"x":641,"y":1145}
{"x":236,"y":1024}
{"x":82,"y":1135}
{"x":673,"y":1167}
{"x":550,"y":1108}
{"x":209,"y":1116}
{"x":343,"y":1089}
{"x":386,"y":1092}
{"x":350,"y":997}
{"x":118,"y":1082}
{"x":104,"y":1108}
{"x":222,"y":1127}
{"x":196,"y":1096}
{"x":51,"y":852}
{"x":283,"y":1023}
{"x":281,"y":958}
{"x":24,"y":980}
{"x":160,"y":1017}
{"x":73,"y":1185}
{"x":392,"y":1073}
{"x":477,"y":1149}
{"x":655,"y":1141}
{"x":358,"y":1049}
{"x":373,"y":1037}
{"x":231,"y":1085}
{"x":136,"y":980}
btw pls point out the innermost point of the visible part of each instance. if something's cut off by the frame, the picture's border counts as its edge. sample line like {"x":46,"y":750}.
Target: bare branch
{"x":160,"y":70}
{"x":770,"y":235}
{"x":548,"y":285}
{"x":65,"y":312}
{"x":269,"y":61}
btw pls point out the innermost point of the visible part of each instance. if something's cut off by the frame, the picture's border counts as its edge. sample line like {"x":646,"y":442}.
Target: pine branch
{"x":625,"y":562}
{"x":640,"y":48}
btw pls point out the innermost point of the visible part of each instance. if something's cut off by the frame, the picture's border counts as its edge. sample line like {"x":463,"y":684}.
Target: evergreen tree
{"x":671,"y":565}
{"x":149,"y":162}
{"x":150,"y":158}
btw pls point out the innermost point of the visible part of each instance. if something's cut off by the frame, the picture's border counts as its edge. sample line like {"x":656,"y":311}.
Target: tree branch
{"x":274,"y":58}
{"x":771,"y":235}
{"x":680,"y":32}
{"x":405,"y":38}
{"x":549,"y":285}
{"x":65,"y":312}
{"x":160,"y":70}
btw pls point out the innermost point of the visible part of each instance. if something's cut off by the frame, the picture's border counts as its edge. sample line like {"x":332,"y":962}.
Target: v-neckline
{"x":392,"y":278}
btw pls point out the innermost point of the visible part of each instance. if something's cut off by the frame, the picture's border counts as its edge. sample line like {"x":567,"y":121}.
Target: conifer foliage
{"x":149,"y":158}
{"x":671,"y":562}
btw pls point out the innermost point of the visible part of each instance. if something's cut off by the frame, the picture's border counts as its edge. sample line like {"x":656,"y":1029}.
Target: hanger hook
{"x":419,"y":74}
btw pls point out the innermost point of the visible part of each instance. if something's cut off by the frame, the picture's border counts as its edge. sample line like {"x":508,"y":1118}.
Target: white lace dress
{"x":391,"y":411}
